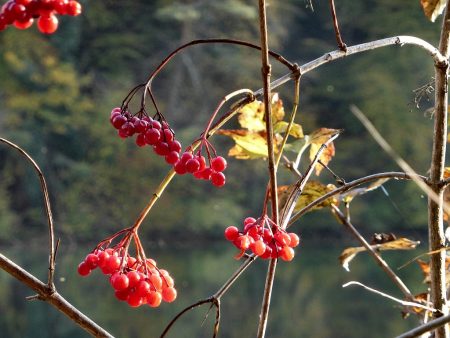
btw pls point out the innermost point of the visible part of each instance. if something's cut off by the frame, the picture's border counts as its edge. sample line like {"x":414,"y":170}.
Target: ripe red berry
{"x":23,"y":24}
{"x":113,"y":263}
{"x":140,"y":140}
{"x":92,"y":260}
{"x":152,"y":136}
{"x":295,"y":240}
{"x":287,"y":253}
{"x":156,"y":281}
{"x":161,"y":148}
{"x":103,"y":258}
{"x":169,"y":294}
{"x":133,"y":278}
{"x":143,"y":289}
{"x":218,"y":164}
{"x":84,"y":269}
{"x":217,"y":179}
{"x":192,"y":165}
{"x":231,"y":233}
{"x":180,"y":168}
{"x":154,"y":299}
{"x":242,"y":242}
{"x":134,"y":300}
{"x":259,"y":247}
{"x":48,"y":24}
{"x":73,"y":8}
{"x":172,"y":157}
{"x":119,"y":281}
{"x":175,"y":146}
{"x":122,"y":294}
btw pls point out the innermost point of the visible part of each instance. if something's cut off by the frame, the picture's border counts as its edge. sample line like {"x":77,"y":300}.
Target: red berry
{"x":154,"y":299}
{"x":133,"y":278}
{"x":206,"y":174}
{"x":259,"y":248}
{"x":113,"y":263}
{"x":134,"y":300}
{"x":287,"y":253}
{"x":84,"y":269}
{"x":73,"y":8}
{"x":218,"y":164}
{"x":231,"y":233}
{"x":161,"y":148}
{"x":103,"y":258}
{"x":169,"y":294}
{"x":23,"y":24}
{"x":128,"y":129}
{"x":60,"y":6}
{"x":143,"y":289}
{"x":156,"y":124}
{"x":48,"y":24}
{"x":192,"y":165}
{"x":168,"y":135}
{"x":122,"y":294}
{"x":152,"y":136}
{"x":140,"y":140}
{"x":119,"y":281}
{"x":175,"y":146}
{"x":172,"y":157}
{"x":186,"y":156}
{"x":180,"y":168}
{"x":92,"y":260}
{"x":156,"y":281}
{"x":295,"y":240}
{"x":217,"y":179}
{"x":140,"y":126}
{"x":282,"y":238}
{"x":242,"y":242}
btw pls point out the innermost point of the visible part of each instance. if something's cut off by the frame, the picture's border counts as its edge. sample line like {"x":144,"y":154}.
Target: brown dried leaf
{"x":425,"y":267}
{"x":433,"y":8}
{"x":325,"y":157}
{"x":399,"y":244}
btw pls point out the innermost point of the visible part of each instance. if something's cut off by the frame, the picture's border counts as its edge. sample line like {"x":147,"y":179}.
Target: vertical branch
{"x":266,"y":73}
{"x":342,"y":46}
{"x":435,"y":210}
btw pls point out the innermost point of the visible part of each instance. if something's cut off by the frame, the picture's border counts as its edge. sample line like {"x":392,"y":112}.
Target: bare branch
{"x":48,"y":210}
{"x":342,"y":46}
{"x":434,"y":324}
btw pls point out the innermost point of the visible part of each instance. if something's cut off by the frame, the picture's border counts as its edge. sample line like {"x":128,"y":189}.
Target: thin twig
{"x":48,"y":210}
{"x":380,"y":261}
{"x":400,"y":301}
{"x":434,"y":324}
{"x":342,"y":46}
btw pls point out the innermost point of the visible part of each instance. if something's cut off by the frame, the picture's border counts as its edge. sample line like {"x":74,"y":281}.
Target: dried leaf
{"x":399,"y":244}
{"x":248,"y":145}
{"x":425,"y":267}
{"x":316,"y":139}
{"x":348,"y":196}
{"x":312,"y":191}
{"x":433,"y":8}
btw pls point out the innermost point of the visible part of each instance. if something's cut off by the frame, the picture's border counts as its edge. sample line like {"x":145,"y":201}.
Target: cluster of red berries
{"x":263,"y":238}
{"x":21,"y":13}
{"x":196,"y":165}
{"x":135,"y":281}
{"x":149,"y":132}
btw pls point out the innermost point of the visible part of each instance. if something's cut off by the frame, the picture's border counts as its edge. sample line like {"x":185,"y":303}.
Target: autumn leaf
{"x":348,"y":196}
{"x":433,"y":8}
{"x":312,"y":191}
{"x":281,"y":127}
{"x":248,"y":145}
{"x":317,"y":138}
{"x":399,"y":244}
{"x":425,"y":267}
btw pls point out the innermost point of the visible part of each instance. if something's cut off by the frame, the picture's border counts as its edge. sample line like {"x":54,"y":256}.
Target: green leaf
{"x":281,"y":127}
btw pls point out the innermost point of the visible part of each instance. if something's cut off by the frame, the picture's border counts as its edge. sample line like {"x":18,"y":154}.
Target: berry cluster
{"x":196,"y":165}
{"x":263,"y":238}
{"x":135,"y":280}
{"x":153,"y":132}
{"x":21,"y":13}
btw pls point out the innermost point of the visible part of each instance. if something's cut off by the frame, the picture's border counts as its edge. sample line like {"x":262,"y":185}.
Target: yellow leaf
{"x":433,"y":8}
{"x":317,"y":138}
{"x":296,"y":129}
{"x":312,"y":191}
{"x":248,"y":145}
{"x":398,"y":244}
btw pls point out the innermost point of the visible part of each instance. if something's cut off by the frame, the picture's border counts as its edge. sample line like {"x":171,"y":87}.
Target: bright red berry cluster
{"x":196,"y":165}
{"x":153,"y":132}
{"x":135,"y":280}
{"x":262,"y":237}
{"x":21,"y":13}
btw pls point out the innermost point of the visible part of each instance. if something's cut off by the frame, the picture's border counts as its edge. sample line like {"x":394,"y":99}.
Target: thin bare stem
{"x":51,"y":296}
{"x":436,"y":238}
{"x":342,"y":46}
{"x":48,"y":211}
{"x":380,"y":261}
{"x":432,"y":325}
{"x":266,"y":74}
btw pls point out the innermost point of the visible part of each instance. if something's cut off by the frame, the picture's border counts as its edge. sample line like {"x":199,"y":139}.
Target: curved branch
{"x":48,"y":210}
{"x":402,"y":40}
{"x":349,"y":186}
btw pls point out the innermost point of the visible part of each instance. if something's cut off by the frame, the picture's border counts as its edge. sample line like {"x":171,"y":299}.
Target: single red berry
{"x":134,"y":300}
{"x":231,"y":233}
{"x":92,"y":261}
{"x":219,"y":163}
{"x":259,"y":247}
{"x":120,"y":281}
{"x":73,"y":8}
{"x":180,"y":168}
{"x":172,"y":157}
{"x":217,"y":179}
{"x":169,"y":294}
{"x":122,"y":294}
{"x":268,"y":253}
{"x":287,"y":253}
{"x":152,"y":136}
{"x":186,"y":156}
{"x":168,"y":135}
{"x":192,"y":165}
{"x":154,"y":299}
{"x":128,"y":128}
{"x":282,"y":238}
{"x":249,"y":220}
{"x":242,"y":242}
{"x":84,"y":269}
{"x":143,"y":289}
{"x":175,"y":146}
{"x":167,"y":281}
{"x":140,"y":140}
{"x":48,"y":24}
{"x":133,"y":278}
{"x":156,"y":124}
{"x":156,"y":281}
{"x":103,"y":258}
{"x":161,"y":148}
{"x":206,"y":173}
{"x":23,"y":24}
{"x":113,"y":263}
{"x":140,"y":126}
{"x":60,"y":6}
{"x":295,"y":240}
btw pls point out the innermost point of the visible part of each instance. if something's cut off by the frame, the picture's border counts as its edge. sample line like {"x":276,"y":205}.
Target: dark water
{"x":308,"y":298}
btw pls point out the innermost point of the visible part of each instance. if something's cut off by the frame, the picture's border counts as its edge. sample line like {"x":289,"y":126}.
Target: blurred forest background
{"x":57,"y":92}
